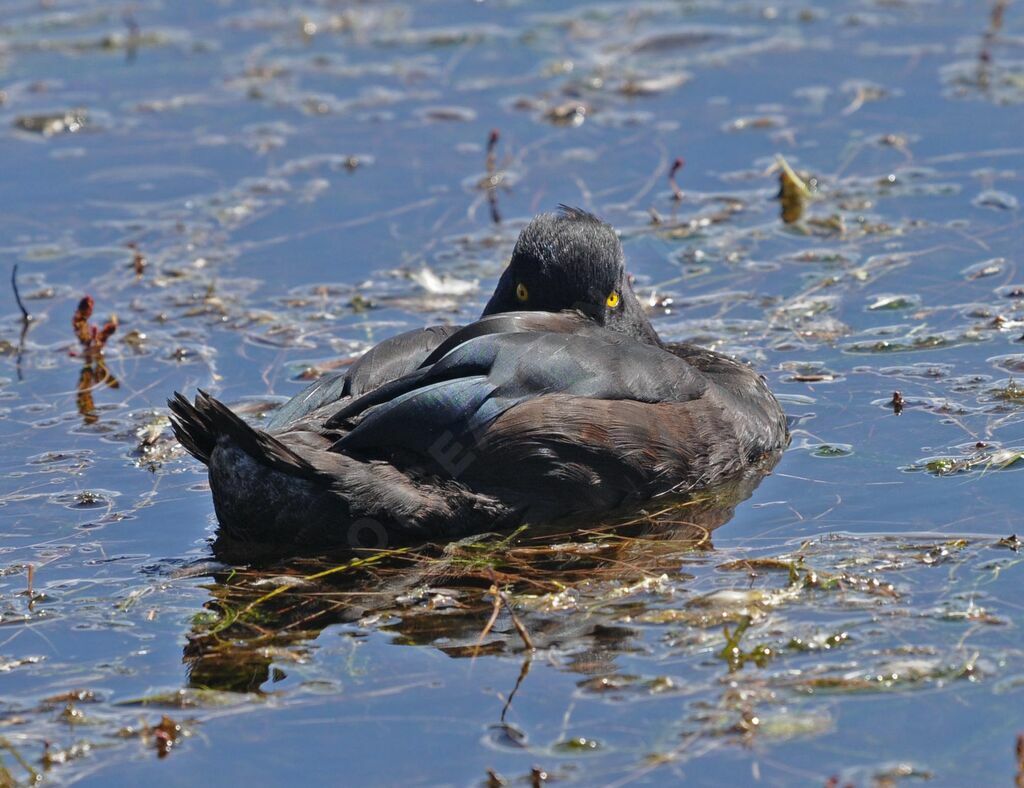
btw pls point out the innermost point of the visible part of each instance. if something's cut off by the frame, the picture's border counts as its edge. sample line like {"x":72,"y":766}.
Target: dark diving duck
{"x":561,"y":400}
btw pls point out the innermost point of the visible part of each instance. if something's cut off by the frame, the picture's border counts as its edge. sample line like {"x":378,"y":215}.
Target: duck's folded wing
{"x":575,"y":454}
{"x":455,"y":399}
{"x":480,"y":357}
{"x":383,"y":363}
{"x":565,"y":322}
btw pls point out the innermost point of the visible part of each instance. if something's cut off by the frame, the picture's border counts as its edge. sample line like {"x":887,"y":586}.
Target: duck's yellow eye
{"x":521,"y":292}
{"x":613,"y":300}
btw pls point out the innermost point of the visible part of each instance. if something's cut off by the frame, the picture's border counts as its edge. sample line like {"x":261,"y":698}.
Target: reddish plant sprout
{"x":492,"y":158}
{"x":94,"y":374}
{"x":90,"y":336}
{"x":165,"y":735}
{"x":94,"y":371}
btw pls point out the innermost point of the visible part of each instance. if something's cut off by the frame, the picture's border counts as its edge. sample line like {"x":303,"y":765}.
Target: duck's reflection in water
{"x":444,"y":595}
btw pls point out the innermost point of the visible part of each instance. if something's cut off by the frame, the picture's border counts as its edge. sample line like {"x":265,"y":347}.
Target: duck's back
{"x":559,"y":454}
{"x":384,"y":362}
{"x":521,"y":417}
{"x":757,"y":422}
{"x":553,"y":415}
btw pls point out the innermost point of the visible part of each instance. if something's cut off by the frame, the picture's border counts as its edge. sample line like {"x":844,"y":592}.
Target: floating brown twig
{"x":524,"y":671}
{"x":138,"y":259}
{"x":495,"y":611}
{"x":512,"y":614}
{"x":26,"y":319}
{"x":499,"y":600}
{"x":677,"y":165}
{"x":25,"y":316}
{"x":995,"y":24}
{"x":493,"y":178}
{"x":492,"y":157}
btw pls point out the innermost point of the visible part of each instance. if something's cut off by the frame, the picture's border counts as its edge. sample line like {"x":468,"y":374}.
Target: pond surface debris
{"x":262,"y":192}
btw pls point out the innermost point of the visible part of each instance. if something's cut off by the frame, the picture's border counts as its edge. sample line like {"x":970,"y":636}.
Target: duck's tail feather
{"x":192,"y":428}
{"x":199,"y":426}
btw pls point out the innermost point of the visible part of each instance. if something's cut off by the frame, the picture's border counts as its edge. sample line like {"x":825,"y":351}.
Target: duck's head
{"x":572,"y":260}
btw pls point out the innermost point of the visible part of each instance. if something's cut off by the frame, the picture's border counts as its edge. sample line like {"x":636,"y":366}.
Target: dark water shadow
{"x":456,"y":597}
